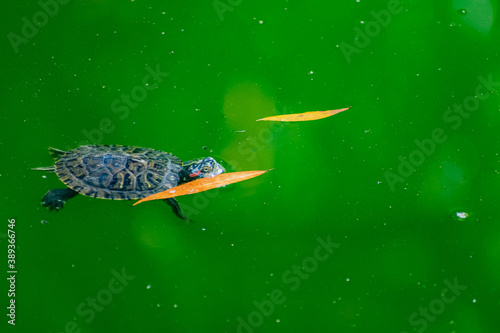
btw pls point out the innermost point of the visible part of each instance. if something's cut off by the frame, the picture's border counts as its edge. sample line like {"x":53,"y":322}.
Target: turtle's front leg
{"x":175,"y":207}
{"x":55,"y":199}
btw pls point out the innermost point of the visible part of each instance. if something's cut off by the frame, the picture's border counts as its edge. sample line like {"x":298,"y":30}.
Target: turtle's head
{"x":200,"y":168}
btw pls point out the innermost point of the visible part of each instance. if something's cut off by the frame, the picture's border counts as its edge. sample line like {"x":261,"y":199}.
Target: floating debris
{"x":461,"y":216}
{"x":306,"y":116}
{"x":204,"y":184}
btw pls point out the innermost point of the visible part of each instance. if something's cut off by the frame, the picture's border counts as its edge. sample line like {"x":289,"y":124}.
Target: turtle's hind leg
{"x":56,"y":153}
{"x":175,"y":208}
{"x":55,"y":199}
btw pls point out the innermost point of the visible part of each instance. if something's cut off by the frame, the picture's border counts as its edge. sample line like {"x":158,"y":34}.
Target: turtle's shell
{"x":118,"y":172}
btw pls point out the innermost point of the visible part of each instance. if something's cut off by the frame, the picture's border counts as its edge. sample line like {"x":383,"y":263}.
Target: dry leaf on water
{"x":204,"y":184}
{"x":306,"y":116}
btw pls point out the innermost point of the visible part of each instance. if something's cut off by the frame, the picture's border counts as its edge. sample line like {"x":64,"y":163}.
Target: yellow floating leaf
{"x":312,"y":115}
{"x":204,"y":184}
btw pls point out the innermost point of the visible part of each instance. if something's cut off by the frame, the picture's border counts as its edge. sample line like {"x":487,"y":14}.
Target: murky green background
{"x":345,"y":179}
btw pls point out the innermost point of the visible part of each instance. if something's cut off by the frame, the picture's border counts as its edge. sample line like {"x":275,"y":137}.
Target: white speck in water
{"x":261,"y":22}
{"x":277,"y":320}
{"x":44,"y":176}
{"x":347,"y":279}
{"x":474,"y":300}
{"x":462,"y":215}
{"x":148,"y":286}
{"x":175,"y":305}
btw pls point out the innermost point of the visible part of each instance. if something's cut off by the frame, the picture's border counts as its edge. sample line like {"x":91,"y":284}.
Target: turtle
{"x":122,"y":173}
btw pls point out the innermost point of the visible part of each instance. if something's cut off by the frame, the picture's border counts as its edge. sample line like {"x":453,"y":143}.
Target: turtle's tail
{"x":56,"y":154}
{"x":46,"y":169}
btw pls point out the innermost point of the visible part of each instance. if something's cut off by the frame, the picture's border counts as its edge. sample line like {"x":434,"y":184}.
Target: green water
{"x":383,"y":218}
